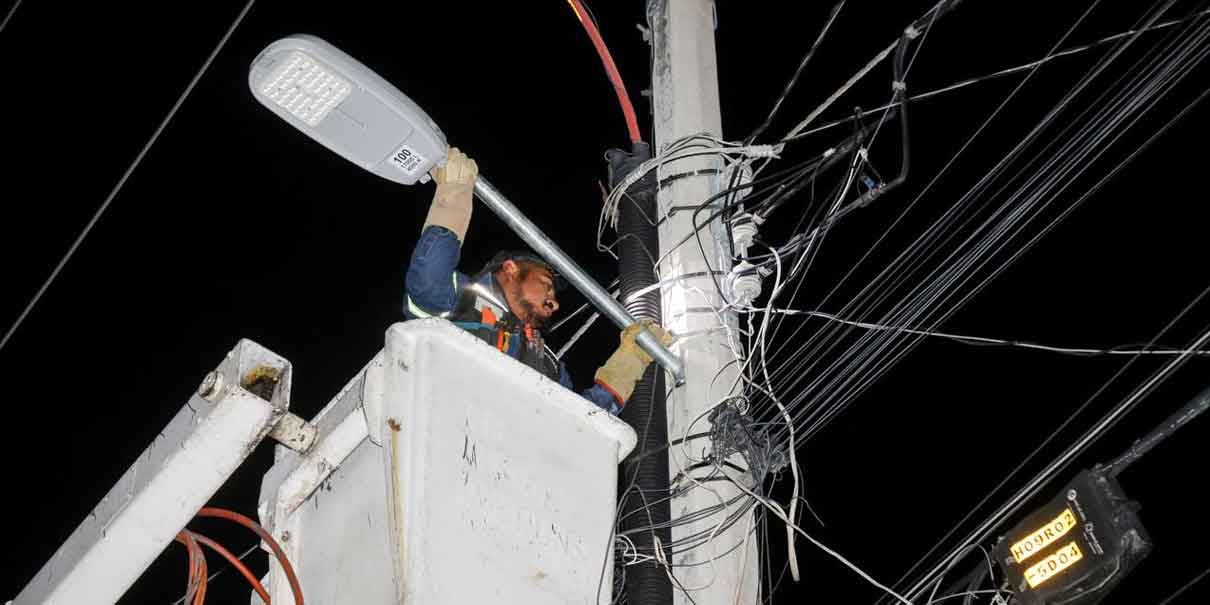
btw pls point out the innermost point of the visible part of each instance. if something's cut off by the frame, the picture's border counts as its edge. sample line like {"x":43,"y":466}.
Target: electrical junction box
{"x":1076,"y":548}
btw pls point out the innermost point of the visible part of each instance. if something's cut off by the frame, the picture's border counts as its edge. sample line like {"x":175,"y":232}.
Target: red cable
{"x":632,"y":123}
{"x":195,"y":593}
{"x":223,"y":513}
{"x":186,"y":538}
{"x":236,"y":563}
{"x":203,"y":576}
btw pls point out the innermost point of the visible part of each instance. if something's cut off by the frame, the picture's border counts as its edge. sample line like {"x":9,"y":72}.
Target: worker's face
{"x":532,"y":292}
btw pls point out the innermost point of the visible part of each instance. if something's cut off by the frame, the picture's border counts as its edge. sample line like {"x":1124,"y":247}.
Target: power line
{"x":1003,"y":72}
{"x":220,"y":572}
{"x":980,"y":340}
{"x":1187,"y":585}
{"x":122,"y":181}
{"x":9,"y":16}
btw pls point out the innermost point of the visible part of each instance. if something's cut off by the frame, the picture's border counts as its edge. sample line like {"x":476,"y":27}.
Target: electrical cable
{"x":218,"y":573}
{"x":861,"y":73}
{"x":1001,"y":73}
{"x":971,"y":292}
{"x":802,"y":64}
{"x":1060,"y":462}
{"x":125,"y":176}
{"x":904,"y":275}
{"x":893,"y":268}
{"x":234,"y":562}
{"x":983,"y":341}
{"x":8,"y":17}
{"x":1014,"y":219}
{"x":611,"y":70}
{"x":268,"y":538}
{"x":1185,"y":587}
{"x":195,"y":592}
{"x":1170,"y":425}
{"x":1153,"y":138}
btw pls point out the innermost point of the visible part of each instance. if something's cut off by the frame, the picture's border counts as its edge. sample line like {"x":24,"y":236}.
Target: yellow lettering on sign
{"x":1053,"y":565}
{"x":1044,"y":536}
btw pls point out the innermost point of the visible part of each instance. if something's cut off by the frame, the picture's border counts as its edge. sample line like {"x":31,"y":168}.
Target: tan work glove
{"x":626,"y":366}
{"x":452,"y":202}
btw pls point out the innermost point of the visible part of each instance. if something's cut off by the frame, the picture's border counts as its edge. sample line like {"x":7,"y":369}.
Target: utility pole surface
{"x":685,"y":97}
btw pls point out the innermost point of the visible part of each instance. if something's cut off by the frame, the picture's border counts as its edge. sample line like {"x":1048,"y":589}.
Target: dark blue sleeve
{"x":603,"y":398}
{"x":597,"y":394}
{"x":431,"y":280}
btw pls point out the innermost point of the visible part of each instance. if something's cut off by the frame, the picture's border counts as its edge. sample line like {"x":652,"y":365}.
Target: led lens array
{"x":305,"y":88}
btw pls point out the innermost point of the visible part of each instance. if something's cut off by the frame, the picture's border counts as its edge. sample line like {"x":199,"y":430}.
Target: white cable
{"x":743,"y":561}
{"x":992,"y":341}
{"x":777,"y":510}
{"x":578,"y":333}
{"x":995,"y":591}
{"x":122,"y":181}
{"x":1007,"y":71}
{"x":676,"y":151}
{"x":840,"y":91}
{"x":9,"y":16}
{"x":1060,"y":461}
{"x":790,"y":547}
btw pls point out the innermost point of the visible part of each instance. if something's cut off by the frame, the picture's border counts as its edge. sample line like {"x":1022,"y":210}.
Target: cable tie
{"x":828,"y":153}
{"x":864,"y":154}
{"x":898,"y":86}
{"x":764,"y":151}
{"x":911,"y":32}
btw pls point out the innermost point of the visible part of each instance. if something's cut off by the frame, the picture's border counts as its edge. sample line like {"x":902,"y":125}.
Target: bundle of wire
{"x":788,"y":390}
{"x":195,"y":590}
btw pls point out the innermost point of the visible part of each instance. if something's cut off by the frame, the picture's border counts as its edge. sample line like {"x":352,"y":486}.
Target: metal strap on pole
{"x":574,"y":275}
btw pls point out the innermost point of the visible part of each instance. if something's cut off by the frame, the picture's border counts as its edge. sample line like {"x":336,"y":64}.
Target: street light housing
{"x":346,"y":107}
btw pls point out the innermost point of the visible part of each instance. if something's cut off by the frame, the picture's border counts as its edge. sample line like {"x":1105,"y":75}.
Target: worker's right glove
{"x":452,"y":202}
{"x":626,"y":366}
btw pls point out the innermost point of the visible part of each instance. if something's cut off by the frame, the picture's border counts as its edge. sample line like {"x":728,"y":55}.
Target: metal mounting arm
{"x":596,"y":295}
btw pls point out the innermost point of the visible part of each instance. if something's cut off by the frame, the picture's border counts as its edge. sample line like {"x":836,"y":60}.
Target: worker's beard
{"x":532,"y":315}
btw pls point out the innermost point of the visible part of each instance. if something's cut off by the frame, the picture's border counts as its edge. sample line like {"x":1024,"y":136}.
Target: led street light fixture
{"x":347,"y":108}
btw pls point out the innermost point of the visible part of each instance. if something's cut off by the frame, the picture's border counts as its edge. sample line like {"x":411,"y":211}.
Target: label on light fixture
{"x":406,"y":159}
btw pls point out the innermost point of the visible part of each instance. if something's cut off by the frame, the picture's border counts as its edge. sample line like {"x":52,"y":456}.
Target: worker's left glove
{"x":626,"y":366}
{"x":452,"y":202}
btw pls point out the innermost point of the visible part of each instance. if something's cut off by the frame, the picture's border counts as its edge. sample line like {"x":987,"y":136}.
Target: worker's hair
{"x":525,"y":261}
{"x":528,"y":265}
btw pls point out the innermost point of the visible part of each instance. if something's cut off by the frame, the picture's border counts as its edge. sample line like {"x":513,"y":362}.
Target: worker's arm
{"x":615,"y":381}
{"x":432,"y":282}
{"x":597,"y":394}
{"x":603,"y":399}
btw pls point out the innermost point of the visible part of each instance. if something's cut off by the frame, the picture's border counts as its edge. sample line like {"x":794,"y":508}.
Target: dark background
{"x":237,"y":226}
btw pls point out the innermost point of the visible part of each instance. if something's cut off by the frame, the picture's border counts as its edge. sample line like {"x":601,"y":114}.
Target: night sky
{"x":237,"y":226}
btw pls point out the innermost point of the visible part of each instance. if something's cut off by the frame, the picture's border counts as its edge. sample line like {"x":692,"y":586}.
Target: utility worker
{"x":510,"y":300}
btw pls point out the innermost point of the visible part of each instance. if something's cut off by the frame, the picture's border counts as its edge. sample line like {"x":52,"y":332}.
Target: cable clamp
{"x":898,"y":86}
{"x":764,"y":151}
{"x":864,"y":154}
{"x":911,"y":32}
{"x":829,"y":151}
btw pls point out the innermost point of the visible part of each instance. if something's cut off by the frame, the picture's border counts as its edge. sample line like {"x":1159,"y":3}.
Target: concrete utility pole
{"x":685,"y":93}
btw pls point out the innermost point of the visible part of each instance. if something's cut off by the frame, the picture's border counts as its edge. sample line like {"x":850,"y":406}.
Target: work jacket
{"x":435,"y":288}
